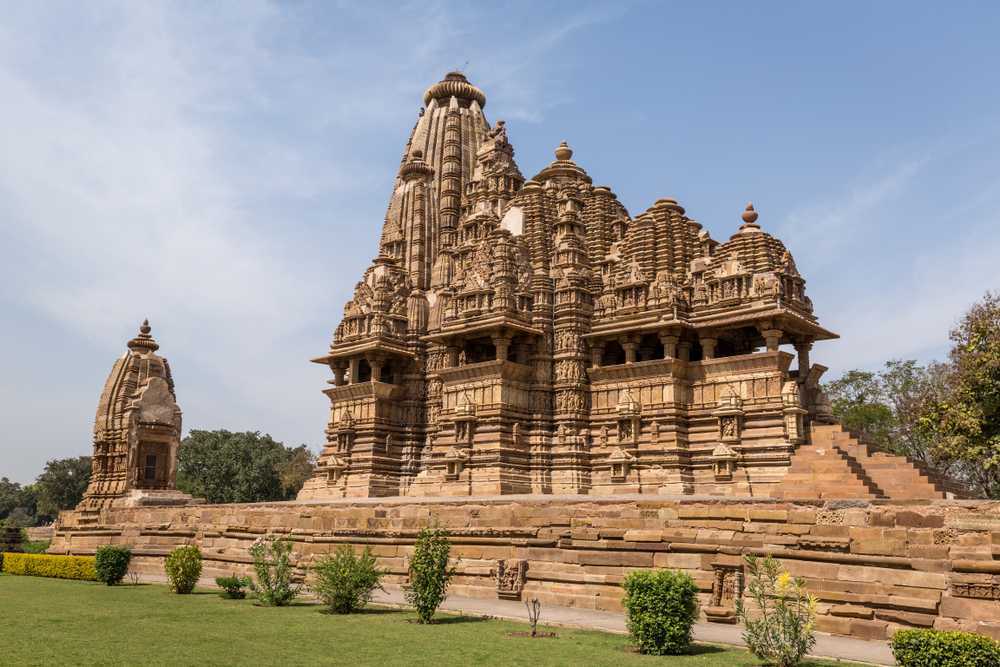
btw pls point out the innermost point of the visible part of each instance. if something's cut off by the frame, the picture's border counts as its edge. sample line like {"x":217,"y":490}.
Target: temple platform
{"x":875,"y":565}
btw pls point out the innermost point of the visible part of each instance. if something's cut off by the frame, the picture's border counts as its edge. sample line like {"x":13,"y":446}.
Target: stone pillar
{"x":452,"y":357}
{"x":708,"y":347}
{"x":376,"y":363}
{"x":596,"y":353}
{"x":630,"y":347}
{"x":669,"y":346}
{"x":684,"y":351}
{"x":354,"y":367}
{"x":339,"y":371}
{"x":772,"y":337}
{"x":803,"y":347}
{"x":502,"y":345}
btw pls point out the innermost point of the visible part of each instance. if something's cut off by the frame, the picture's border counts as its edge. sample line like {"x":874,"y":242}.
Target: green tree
{"x":10,"y":497}
{"x":61,"y":485}
{"x":296,"y":469}
{"x":965,"y":423}
{"x":225,"y":467}
{"x":859,"y":403}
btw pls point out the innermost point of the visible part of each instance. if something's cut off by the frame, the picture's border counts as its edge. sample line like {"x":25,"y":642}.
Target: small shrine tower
{"x":137,"y":432}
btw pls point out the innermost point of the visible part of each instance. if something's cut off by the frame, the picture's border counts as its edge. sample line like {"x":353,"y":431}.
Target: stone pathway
{"x":827,"y":646}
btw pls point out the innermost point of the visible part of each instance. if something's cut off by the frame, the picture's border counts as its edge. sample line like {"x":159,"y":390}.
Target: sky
{"x":224,"y":169}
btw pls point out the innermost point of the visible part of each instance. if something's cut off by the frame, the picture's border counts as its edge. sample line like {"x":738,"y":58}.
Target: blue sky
{"x":224,"y":169}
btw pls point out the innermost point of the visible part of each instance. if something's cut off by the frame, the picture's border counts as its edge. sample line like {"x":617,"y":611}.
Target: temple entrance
{"x":152,"y":473}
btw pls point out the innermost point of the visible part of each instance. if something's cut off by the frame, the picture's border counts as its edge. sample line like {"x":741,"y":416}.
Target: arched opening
{"x":364,"y":371}
{"x":613,"y":354}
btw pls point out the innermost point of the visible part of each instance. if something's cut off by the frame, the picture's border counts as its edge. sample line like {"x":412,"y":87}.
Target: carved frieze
{"x":510,"y":576}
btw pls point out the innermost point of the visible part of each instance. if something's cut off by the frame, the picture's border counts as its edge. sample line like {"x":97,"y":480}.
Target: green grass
{"x":48,"y":621}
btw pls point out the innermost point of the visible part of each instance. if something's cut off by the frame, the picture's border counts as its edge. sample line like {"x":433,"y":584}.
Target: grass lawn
{"x":56,"y":622}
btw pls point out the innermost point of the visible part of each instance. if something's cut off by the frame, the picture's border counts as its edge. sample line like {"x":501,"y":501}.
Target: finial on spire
{"x":749,"y":216}
{"x":564,"y":152}
{"x":144,"y":340}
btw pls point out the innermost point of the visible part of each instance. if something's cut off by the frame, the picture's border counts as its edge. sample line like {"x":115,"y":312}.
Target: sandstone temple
{"x":521,"y":336}
{"x":572,"y":392}
{"x":137,"y":432}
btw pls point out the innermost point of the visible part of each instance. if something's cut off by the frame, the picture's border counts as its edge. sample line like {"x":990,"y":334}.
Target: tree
{"x":885,"y":408}
{"x":61,"y":485}
{"x":858,"y":402}
{"x":10,"y":496}
{"x":225,"y":467}
{"x":965,"y":423}
{"x":17,"y":503}
{"x":296,"y":470}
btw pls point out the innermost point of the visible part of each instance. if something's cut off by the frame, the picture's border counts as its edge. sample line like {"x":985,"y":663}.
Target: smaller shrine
{"x":137,"y":432}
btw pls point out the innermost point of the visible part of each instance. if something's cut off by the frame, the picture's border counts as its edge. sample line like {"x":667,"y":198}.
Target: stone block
{"x":643,"y":536}
{"x":851,"y":610}
{"x":969,"y":609}
{"x":629,"y":558}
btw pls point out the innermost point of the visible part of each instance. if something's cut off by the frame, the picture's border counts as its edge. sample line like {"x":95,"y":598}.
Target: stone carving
{"x":727,"y":591}
{"x":977,"y":590}
{"x":510,"y":576}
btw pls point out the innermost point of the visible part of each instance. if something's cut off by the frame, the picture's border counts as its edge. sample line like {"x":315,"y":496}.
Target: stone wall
{"x":875,"y":566}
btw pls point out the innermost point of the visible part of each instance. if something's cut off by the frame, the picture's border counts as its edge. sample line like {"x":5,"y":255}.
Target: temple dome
{"x":455,"y":85}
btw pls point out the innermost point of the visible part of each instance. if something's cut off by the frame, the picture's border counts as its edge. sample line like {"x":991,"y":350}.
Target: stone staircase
{"x":836,"y":465}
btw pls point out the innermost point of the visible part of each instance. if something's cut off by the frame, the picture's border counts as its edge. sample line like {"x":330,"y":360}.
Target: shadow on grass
{"x":693,"y":649}
{"x":450,"y":620}
{"x":367,"y":611}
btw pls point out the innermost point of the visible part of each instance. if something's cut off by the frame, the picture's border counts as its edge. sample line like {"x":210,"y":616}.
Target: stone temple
{"x":137,"y":432}
{"x":572,"y":393}
{"x":521,"y":336}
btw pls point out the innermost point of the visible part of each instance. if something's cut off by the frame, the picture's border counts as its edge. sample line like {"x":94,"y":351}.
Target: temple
{"x":521,"y":336}
{"x":136,"y":432}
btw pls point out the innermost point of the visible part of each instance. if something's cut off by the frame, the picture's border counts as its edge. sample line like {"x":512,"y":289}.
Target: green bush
{"x":272,"y":564}
{"x":429,"y":573}
{"x":39,"y":547}
{"x":935,"y":648}
{"x":111,"y":563}
{"x":346,"y":581}
{"x":232,"y":587}
{"x":49,"y":565}
{"x":183,"y":568}
{"x":661,"y":607}
{"x":780,"y":628}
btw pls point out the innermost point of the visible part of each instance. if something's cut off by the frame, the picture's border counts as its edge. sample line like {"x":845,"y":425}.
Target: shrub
{"x":662,"y":606}
{"x":780,"y":631}
{"x":273,"y":566}
{"x":39,"y":547}
{"x":232,"y":587}
{"x":429,"y":573}
{"x":111,"y":563}
{"x":50,"y":565}
{"x":934,"y":648}
{"x":345,"y":581}
{"x":183,"y":568}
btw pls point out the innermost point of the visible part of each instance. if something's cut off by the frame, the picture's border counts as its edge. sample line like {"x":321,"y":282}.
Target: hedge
{"x":48,"y":565}
{"x":936,"y":648}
